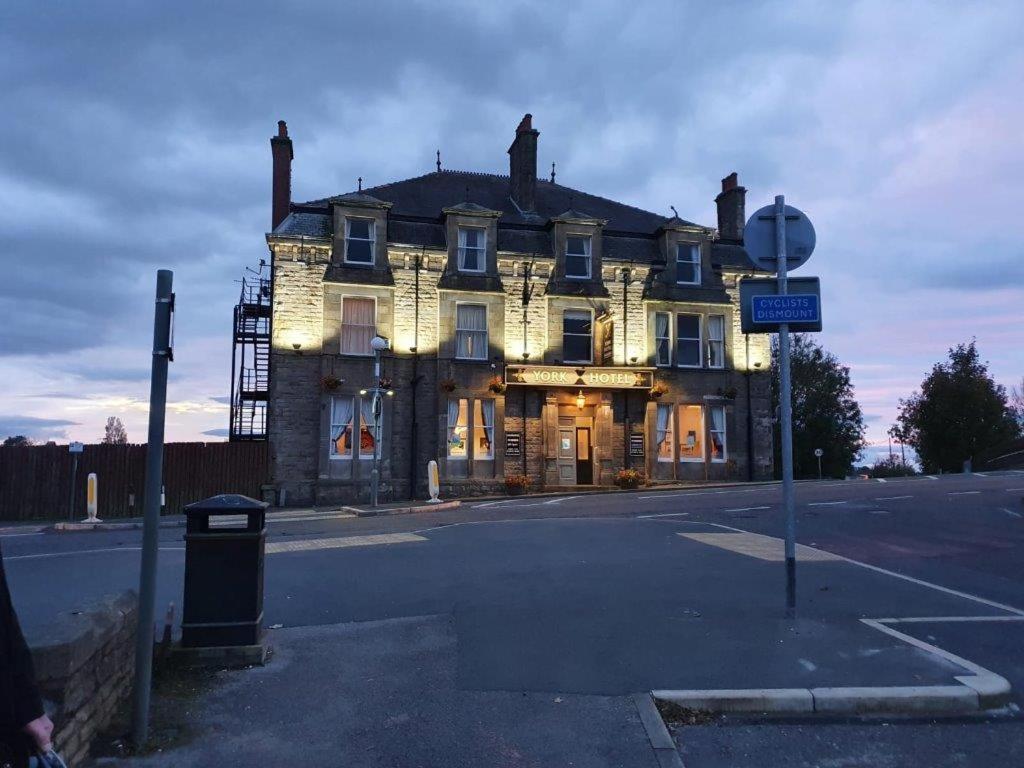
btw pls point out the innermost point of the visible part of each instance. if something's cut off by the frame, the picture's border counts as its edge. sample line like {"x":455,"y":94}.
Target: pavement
{"x":593,"y":600}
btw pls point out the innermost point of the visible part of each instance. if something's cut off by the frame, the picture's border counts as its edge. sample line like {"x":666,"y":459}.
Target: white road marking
{"x":663,"y":514}
{"x":15,"y":535}
{"x":936,"y":619}
{"x":825,"y":503}
{"x":42,"y":555}
{"x":744,"y":509}
{"x":878,"y":512}
{"x":492,"y":503}
{"x":962,"y":493}
{"x":306,"y":545}
{"x":880,"y":479}
{"x":1011,"y":512}
{"x":560,"y":499}
{"x":979,"y":474}
{"x":892,"y":498}
{"x":757,"y":545}
{"x":1015,"y":490}
{"x":931,"y":477}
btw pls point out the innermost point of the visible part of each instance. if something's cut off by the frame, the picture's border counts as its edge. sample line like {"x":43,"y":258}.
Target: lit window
{"x":458,"y":428}
{"x":359,"y":240}
{"x":716,"y":341}
{"x":663,"y":432}
{"x":718,"y":452}
{"x":688,"y":341}
{"x":662,"y":341}
{"x":577,"y":257}
{"x":367,"y":434}
{"x":472,"y":249}
{"x":358,"y":324}
{"x":471,"y":331}
{"x":341,"y":428}
{"x":577,"y":336}
{"x":691,"y":433}
{"x":687,"y":264}
{"x":483,"y":430}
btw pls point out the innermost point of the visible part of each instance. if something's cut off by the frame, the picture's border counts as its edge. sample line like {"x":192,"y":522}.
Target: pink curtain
{"x":358,"y":325}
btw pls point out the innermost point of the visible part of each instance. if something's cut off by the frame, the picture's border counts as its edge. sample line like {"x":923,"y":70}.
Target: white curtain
{"x":341,"y":419}
{"x":453,"y":421}
{"x":471,"y":331}
{"x":718,"y":431}
{"x":661,"y":336}
{"x":358,"y":325}
{"x":366,"y":448}
{"x":487,"y":423}
{"x":661,"y":425}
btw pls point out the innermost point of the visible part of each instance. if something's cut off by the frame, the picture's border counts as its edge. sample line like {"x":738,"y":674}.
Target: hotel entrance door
{"x":584,"y":464}
{"x":566,"y":451}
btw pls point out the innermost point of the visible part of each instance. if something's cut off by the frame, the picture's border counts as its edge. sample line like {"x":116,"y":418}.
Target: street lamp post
{"x":379,"y":345}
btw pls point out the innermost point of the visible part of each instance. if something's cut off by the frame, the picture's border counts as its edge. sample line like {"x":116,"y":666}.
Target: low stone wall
{"x":85,"y":665}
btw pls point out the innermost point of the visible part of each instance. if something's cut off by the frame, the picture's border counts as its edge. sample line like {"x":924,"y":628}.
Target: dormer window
{"x":577,"y":257}
{"x":472,"y":249}
{"x":688,"y":264}
{"x":360,"y":235}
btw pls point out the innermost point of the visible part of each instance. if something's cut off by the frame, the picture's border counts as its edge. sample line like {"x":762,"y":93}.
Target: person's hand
{"x":40,"y":731}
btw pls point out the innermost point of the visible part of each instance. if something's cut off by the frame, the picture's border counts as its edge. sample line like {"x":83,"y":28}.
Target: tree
{"x":958,"y":412}
{"x":825,"y":413}
{"x":115,"y":433}
{"x":1017,"y":403}
{"x":16,"y":440}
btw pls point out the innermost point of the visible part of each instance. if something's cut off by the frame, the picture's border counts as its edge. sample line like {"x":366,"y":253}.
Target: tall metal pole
{"x":151,"y":520}
{"x":74,"y":487}
{"x":375,"y":472}
{"x":786,"y":397}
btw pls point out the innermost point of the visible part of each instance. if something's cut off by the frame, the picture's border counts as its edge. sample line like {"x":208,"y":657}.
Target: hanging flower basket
{"x":448,"y":385}
{"x":329,"y":383}
{"x":496,"y":385}
{"x":516,"y":485}
{"x":629,"y":478}
{"x":657,"y":391}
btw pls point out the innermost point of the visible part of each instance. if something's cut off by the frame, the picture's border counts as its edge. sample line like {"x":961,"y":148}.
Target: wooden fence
{"x":35,"y":481}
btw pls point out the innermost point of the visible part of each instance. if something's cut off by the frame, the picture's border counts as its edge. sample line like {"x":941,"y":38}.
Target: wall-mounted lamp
{"x":362,"y":391}
{"x":632,"y":360}
{"x":526,"y":356}
{"x":580,"y":401}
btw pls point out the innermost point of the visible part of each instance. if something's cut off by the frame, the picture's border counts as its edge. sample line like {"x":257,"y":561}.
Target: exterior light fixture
{"x":632,"y":360}
{"x":391,"y":393}
{"x":296,"y":346}
{"x":362,"y":391}
{"x":580,"y":400}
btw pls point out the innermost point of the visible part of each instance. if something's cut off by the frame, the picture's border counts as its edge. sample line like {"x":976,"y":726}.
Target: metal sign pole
{"x":786,"y":399}
{"x":151,"y":504}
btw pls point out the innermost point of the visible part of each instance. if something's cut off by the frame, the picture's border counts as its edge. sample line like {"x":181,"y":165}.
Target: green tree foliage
{"x":958,"y":413}
{"x":15,"y":440}
{"x":825,"y":413}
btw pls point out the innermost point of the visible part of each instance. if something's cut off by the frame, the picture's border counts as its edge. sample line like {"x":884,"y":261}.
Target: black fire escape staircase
{"x":250,"y":362}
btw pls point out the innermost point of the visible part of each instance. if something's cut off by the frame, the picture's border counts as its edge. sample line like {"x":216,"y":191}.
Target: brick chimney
{"x":731,"y":203}
{"x":522,"y":165}
{"x":281,"y":149}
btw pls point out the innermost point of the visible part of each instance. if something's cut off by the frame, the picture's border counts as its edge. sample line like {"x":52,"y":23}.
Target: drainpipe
{"x":628,"y":427}
{"x":414,"y":432}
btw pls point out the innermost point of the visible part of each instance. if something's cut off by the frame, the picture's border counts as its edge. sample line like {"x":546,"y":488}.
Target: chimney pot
{"x":522,"y":163}
{"x":731,"y":202}
{"x":282,"y":129}
{"x":730,"y":182}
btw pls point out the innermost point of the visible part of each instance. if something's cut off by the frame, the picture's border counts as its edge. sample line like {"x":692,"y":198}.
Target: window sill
{"x":471,"y":359}
{"x":690,"y":367}
{"x":691,"y":461}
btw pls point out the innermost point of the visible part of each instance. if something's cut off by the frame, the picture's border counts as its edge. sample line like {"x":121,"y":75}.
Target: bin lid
{"x":226,"y":503}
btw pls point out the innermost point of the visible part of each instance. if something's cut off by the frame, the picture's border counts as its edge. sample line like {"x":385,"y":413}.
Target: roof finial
{"x":552,"y":173}
{"x":360,"y":183}
{"x":439,"y":161}
{"x":674,"y":211}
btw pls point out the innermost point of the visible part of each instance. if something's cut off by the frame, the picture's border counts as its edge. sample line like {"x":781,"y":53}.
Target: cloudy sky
{"x":135,"y":137}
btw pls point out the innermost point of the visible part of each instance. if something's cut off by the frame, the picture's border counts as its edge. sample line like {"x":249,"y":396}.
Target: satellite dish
{"x":759,"y":238}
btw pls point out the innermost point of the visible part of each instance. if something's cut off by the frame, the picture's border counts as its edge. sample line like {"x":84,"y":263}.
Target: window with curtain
{"x":718,"y":452}
{"x":716,"y":341}
{"x":359,"y":240}
{"x":577,"y":257}
{"x":483,"y":430}
{"x":367,"y":437}
{"x":341,"y":428}
{"x":687,"y":264}
{"x":691,"y":433}
{"x":663,"y":432}
{"x":662,"y":341}
{"x":577,"y":336}
{"x":472,"y":249}
{"x":358,"y":324}
{"x":688,"y":341}
{"x":458,"y":428}
{"x":471,"y":331}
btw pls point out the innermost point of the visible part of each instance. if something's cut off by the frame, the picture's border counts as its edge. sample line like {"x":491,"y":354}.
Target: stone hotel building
{"x":534,"y":330}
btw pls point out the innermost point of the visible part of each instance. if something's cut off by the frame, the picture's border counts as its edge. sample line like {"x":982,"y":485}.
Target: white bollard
{"x":91,"y":498}
{"x":432,"y":483}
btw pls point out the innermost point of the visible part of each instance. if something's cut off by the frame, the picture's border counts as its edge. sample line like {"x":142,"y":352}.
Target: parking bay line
{"x":824,"y":503}
{"x":892,"y":498}
{"x":1011,"y":512}
{"x":962,"y":493}
{"x":744,"y":509}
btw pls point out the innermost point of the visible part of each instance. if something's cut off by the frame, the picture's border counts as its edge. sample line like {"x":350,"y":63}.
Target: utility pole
{"x":378,"y":344}
{"x":162,"y":355}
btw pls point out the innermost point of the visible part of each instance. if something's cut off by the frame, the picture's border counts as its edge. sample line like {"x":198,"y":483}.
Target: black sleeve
{"x":17,"y":675}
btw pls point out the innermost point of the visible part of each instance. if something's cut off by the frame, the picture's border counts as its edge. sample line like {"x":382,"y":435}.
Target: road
{"x":604,"y":595}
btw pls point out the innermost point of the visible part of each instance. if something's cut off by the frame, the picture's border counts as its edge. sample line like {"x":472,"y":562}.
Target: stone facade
{"x":418,"y":266}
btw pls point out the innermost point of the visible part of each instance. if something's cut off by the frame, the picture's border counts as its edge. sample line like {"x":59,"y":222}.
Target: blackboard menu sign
{"x":513,"y":444}
{"x":636,"y":445}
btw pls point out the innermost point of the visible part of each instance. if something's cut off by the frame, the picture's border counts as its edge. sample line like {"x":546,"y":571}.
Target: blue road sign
{"x":791,"y":308}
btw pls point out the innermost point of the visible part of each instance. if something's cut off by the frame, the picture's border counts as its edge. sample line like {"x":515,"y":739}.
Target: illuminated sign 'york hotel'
{"x":535,"y":330}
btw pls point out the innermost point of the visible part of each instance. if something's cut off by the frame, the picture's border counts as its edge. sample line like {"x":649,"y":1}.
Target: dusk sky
{"x":136,"y":137}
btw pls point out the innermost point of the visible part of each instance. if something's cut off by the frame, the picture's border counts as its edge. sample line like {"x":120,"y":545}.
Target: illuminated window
{"x":663,"y":432}
{"x":458,"y":428}
{"x":577,"y":336}
{"x":691,"y":433}
{"x":471,"y":331}
{"x":687,"y":264}
{"x":358,"y":324}
{"x":716,"y":341}
{"x":472,"y":249}
{"x":483,"y":429}
{"x":359,"y":240}
{"x":577,"y":257}
{"x":662,"y":340}
{"x":688,"y":341}
{"x":718,"y":450}
{"x":367,"y":434}
{"x":341,"y":428}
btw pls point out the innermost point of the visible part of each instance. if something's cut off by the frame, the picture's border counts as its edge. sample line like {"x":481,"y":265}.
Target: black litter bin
{"x":223,"y":572}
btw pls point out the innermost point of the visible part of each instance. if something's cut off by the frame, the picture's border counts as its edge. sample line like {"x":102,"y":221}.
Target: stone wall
{"x":85,"y":663}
